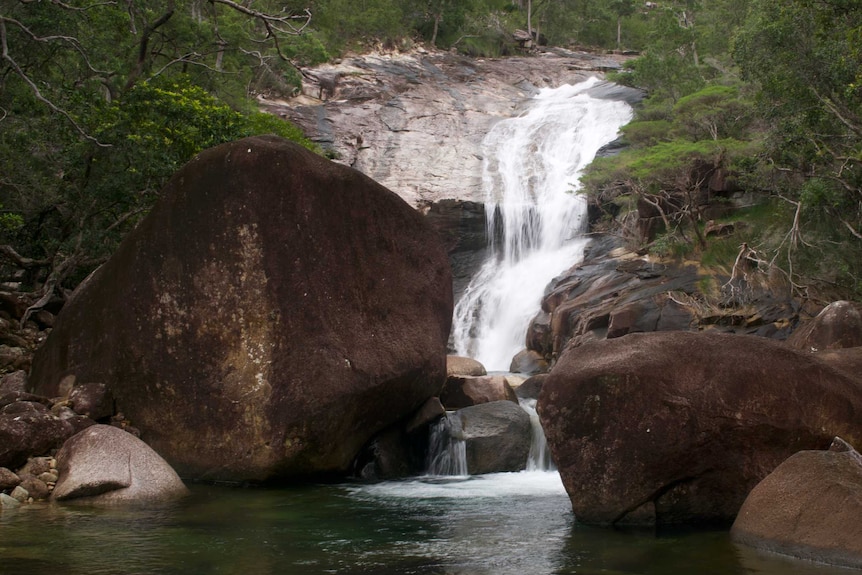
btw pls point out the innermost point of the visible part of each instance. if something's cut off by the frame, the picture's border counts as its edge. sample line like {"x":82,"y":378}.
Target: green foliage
{"x":348,"y":24}
{"x":670,"y":245}
{"x":714,"y":112}
{"x":648,"y":132}
{"x":803,"y":55}
{"x":85,"y":156}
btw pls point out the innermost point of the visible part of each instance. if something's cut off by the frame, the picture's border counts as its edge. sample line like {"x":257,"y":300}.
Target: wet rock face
{"x":272,"y":313}
{"x":415,"y":121}
{"x":615,"y":292}
{"x":677,"y":428}
{"x":462,"y":228}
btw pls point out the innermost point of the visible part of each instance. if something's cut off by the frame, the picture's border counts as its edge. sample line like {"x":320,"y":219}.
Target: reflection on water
{"x":515,"y":523}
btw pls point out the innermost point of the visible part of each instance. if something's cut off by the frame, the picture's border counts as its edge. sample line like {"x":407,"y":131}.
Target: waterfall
{"x":535,"y":219}
{"x":447,"y":454}
{"x":539,"y":458}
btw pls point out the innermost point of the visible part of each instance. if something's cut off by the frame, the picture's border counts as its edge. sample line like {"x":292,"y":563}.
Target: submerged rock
{"x":273,"y":312}
{"x":677,"y":428}
{"x":103,"y":464}
{"x":809,"y":507}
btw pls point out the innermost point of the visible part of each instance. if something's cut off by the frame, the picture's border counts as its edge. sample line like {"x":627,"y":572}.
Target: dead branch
{"x":70,"y":40}
{"x":144,"y":43}
{"x":4,"y":55}
{"x":843,"y":116}
{"x":852,"y":230}
{"x":281,"y":24}
{"x":9,"y":253}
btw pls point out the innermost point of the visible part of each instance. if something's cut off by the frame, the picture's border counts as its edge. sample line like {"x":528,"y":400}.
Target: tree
{"x":622,"y":8}
{"x":804,"y":56}
{"x":101,"y":102}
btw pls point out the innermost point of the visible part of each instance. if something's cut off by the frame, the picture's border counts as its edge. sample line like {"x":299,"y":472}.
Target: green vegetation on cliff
{"x":767,"y":113}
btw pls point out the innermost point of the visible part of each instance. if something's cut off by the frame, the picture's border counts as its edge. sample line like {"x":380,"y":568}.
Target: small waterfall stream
{"x":531,"y":170}
{"x":447,"y":453}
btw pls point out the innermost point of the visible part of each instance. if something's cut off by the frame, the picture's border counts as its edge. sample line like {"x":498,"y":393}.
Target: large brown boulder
{"x":809,"y":507}
{"x":273,"y":312}
{"x":673,"y":428}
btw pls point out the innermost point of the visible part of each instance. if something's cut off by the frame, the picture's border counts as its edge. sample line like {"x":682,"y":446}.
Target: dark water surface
{"x":499,"y":524}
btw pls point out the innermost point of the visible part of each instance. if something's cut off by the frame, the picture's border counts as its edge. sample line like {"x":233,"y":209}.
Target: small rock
{"x":464,"y":391}
{"x":8,"y":502}
{"x":8,"y":479}
{"x":24,"y":408}
{"x":36,"y":488}
{"x":20,"y":494}
{"x":13,"y":382}
{"x":528,"y":362}
{"x":457,"y":365}
{"x":35,"y":466}
{"x":49,"y":476}
{"x":93,"y":400}
{"x":531,"y":388}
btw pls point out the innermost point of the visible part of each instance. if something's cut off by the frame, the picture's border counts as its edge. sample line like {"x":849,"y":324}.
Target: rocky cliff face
{"x":415,"y":122}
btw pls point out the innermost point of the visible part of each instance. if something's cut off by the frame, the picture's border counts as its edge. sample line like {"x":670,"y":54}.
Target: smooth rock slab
{"x":108,"y":465}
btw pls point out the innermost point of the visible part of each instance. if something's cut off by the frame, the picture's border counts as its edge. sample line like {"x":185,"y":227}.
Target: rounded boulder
{"x":272,"y":312}
{"x":104,"y":464}
{"x":678,"y":427}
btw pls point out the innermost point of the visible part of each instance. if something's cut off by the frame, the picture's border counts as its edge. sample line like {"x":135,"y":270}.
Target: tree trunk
{"x":437,"y":18}
{"x":619,"y":31}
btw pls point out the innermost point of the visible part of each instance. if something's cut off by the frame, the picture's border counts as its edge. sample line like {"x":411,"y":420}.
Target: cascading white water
{"x":447,"y":454}
{"x":539,"y":458}
{"x":531,"y":170}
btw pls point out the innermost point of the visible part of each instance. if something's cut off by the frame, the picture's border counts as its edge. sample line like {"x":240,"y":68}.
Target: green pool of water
{"x":501,"y":524}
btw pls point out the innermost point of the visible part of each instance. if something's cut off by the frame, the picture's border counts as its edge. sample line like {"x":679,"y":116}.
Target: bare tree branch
{"x":142,"y":45}
{"x":9,"y":253}
{"x":273,"y":23}
{"x":4,"y":54}
{"x":71,"y":40}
